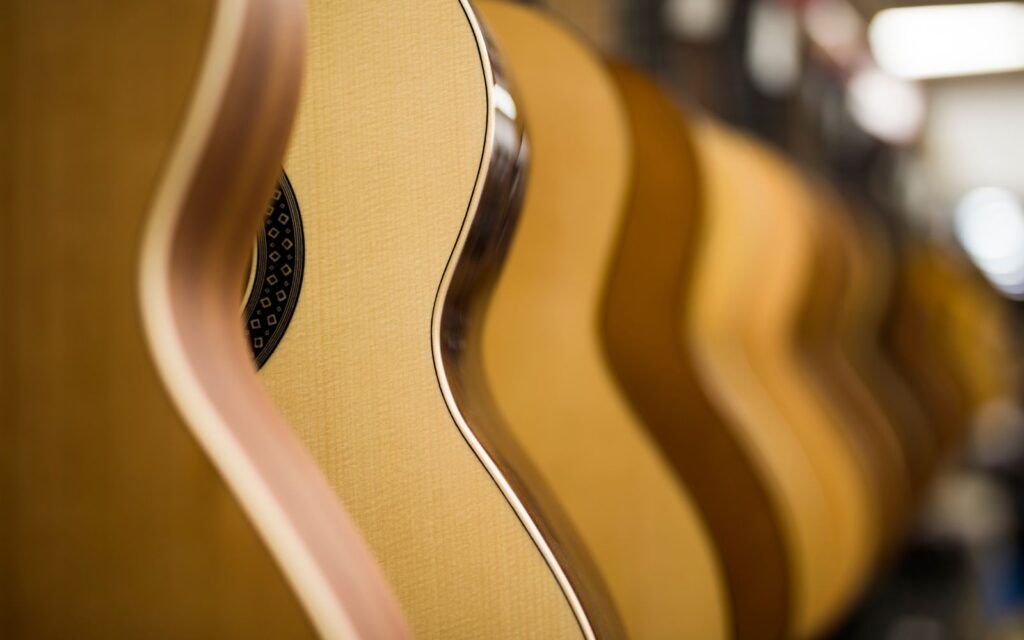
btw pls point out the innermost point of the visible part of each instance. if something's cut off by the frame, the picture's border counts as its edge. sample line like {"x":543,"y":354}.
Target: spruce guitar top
{"x":406,"y":164}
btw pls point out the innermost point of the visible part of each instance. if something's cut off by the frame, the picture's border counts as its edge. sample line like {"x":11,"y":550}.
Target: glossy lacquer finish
{"x":405,"y":163}
{"x":542,"y":346}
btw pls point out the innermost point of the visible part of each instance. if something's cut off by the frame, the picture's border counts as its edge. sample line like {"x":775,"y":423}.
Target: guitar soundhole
{"x":277,"y":273}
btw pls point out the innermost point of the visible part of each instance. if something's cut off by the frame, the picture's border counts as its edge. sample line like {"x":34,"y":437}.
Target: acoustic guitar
{"x":653,"y":270}
{"x":753,"y":273}
{"x":828,"y":312}
{"x":909,"y":334}
{"x":141,"y":141}
{"x":543,"y":351}
{"x":402,"y":180}
{"x":968,"y":326}
{"x":871,"y":279}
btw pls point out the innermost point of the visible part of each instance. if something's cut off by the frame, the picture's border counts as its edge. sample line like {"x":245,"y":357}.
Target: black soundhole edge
{"x":280,"y":254}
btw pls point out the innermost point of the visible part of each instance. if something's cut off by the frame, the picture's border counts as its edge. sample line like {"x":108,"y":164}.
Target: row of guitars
{"x":527,"y":349}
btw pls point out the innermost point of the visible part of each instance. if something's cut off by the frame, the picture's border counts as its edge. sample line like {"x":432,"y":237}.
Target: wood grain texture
{"x":116,"y":524}
{"x":391,"y":134}
{"x":542,"y":345}
{"x":753,"y":267}
{"x":653,"y":270}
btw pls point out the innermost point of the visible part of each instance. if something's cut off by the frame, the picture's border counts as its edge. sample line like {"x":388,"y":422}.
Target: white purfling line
{"x":435,"y":337}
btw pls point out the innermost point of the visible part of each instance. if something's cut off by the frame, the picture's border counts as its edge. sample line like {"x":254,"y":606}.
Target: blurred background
{"x":916,"y":112}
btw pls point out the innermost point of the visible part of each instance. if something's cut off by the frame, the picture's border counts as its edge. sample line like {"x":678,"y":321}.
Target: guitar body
{"x":909,"y":335}
{"x":543,"y":352}
{"x":405,"y":165}
{"x":141,"y":143}
{"x":846,"y":457}
{"x":653,"y":270}
{"x":869,"y":280}
{"x":778,"y":270}
{"x":828,"y":311}
{"x":752,"y":266}
{"x":966,"y":321}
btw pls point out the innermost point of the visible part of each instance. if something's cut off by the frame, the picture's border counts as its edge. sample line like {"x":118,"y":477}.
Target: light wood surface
{"x":843,"y":454}
{"x":600,"y":22}
{"x":654,"y":268}
{"x":390,"y":149}
{"x":129,"y":121}
{"x":542,"y":344}
{"x":723,"y":301}
{"x":752,"y":273}
{"x":871,"y":276}
{"x":828,"y":310}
